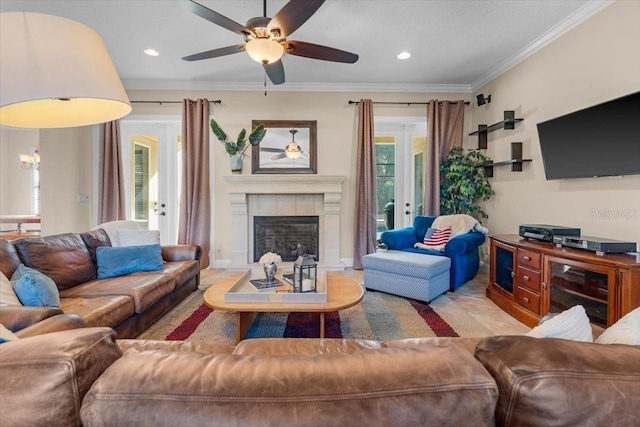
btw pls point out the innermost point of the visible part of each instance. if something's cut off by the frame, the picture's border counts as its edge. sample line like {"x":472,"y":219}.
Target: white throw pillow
{"x":7,"y":293}
{"x":625,"y":331}
{"x":6,"y":335}
{"x":138,"y":237}
{"x":572,"y":324}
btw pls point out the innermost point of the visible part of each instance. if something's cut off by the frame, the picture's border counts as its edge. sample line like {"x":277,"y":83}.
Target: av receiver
{"x":545,"y":232}
{"x":595,"y":244}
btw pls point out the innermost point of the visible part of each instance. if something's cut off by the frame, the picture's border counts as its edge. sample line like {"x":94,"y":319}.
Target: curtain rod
{"x":405,"y":103}
{"x":216,"y":101}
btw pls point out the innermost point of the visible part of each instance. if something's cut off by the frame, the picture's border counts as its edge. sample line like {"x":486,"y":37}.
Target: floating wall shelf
{"x":508,"y":123}
{"x":515,"y":162}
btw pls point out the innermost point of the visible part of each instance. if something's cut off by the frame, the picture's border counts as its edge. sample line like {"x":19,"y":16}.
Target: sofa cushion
{"x":94,"y":239}
{"x":45,"y":377}
{"x":181,"y":271}
{"x":171,"y":346}
{"x":560,"y":382}
{"x":145,"y":288}
{"x":114,"y":262}
{"x":62,"y":257}
{"x":304,"y":346}
{"x":34,"y":289}
{"x":7,"y":293}
{"x":402,"y":386}
{"x":9,"y":259}
{"x":100,"y":311}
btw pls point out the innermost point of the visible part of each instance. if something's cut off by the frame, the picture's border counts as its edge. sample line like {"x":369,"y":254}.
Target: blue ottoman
{"x":410,"y":275}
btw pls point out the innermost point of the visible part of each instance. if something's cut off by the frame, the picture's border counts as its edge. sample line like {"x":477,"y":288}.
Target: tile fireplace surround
{"x":285,"y":195}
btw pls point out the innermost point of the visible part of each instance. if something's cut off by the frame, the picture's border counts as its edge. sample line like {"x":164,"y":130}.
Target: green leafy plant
{"x":463,"y":183}
{"x":239,"y":146}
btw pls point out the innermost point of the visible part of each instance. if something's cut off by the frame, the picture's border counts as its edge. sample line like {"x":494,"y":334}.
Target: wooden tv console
{"x":530,"y":278}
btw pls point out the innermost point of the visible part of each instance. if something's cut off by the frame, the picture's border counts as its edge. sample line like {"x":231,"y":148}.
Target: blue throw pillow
{"x":34,"y":288}
{"x":118,"y":261}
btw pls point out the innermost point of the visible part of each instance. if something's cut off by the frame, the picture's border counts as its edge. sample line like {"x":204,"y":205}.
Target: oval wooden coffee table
{"x":342,"y":293}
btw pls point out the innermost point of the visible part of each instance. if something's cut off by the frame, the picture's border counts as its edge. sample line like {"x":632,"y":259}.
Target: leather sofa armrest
{"x":464,"y":243}
{"x":16,"y":318}
{"x":400,"y":238}
{"x":59,"y":322}
{"x":181,"y":252}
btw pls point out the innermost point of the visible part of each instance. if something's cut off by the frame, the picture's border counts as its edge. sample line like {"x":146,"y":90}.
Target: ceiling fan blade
{"x":293,"y":15}
{"x":315,"y":51}
{"x":215,"y":53}
{"x":215,"y":17}
{"x":272,"y":150}
{"x":275,"y":71}
{"x":279,"y":156}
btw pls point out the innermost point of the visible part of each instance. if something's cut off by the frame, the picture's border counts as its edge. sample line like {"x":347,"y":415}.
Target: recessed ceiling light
{"x":151,"y":52}
{"x":404,"y":55}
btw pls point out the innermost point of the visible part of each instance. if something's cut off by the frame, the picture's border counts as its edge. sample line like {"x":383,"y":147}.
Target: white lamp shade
{"x":263,"y":50}
{"x":56,"y":73}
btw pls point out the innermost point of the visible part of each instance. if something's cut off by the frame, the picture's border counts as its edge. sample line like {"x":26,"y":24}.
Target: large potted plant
{"x":236,"y":149}
{"x":463,"y":184}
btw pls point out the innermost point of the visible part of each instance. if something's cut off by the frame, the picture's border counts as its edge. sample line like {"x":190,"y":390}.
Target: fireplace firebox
{"x":288,"y":236}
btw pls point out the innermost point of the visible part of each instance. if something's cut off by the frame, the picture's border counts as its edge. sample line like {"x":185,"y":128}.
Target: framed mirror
{"x":288,"y":147}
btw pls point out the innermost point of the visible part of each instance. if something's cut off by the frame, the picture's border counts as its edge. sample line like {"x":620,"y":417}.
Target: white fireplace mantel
{"x":329,"y":186}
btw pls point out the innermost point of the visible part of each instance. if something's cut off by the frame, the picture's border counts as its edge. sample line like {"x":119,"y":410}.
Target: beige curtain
{"x":194,"y":226}
{"x":111,"y":202}
{"x":366,"y":188}
{"x":444,"y":131}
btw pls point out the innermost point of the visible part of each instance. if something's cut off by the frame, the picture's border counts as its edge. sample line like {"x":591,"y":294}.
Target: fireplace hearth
{"x":288,"y":236}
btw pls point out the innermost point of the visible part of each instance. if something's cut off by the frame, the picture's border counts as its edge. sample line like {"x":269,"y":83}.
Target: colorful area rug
{"x":379,"y":316}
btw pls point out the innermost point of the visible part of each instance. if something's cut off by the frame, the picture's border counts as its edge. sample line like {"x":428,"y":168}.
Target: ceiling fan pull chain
{"x":264,"y":67}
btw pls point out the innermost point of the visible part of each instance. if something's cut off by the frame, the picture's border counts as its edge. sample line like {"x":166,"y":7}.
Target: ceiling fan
{"x":291,"y":151}
{"x":266,"y":38}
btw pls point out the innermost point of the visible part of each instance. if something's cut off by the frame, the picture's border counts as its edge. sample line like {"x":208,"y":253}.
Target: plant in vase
{"x":463,"y":184}
{"x":236,"y":149}
{"x":270,"y":263}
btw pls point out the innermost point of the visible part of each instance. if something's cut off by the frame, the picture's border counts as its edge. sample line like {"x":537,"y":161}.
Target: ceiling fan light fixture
{"x":264,"y":50}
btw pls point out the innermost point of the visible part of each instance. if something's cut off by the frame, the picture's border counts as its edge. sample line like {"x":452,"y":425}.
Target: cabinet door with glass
{"x":573,"y":283}
{"x":502,"y":272}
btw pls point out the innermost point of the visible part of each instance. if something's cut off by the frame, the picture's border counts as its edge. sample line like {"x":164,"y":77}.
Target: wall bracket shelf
{"x":515,"y":162}
{"x":508,"y":123}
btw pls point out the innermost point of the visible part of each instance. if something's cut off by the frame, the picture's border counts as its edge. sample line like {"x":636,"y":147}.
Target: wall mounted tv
{"x":603,"y":140}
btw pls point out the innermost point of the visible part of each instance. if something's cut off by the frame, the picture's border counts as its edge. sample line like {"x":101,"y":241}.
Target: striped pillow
{"x":438,"y":237}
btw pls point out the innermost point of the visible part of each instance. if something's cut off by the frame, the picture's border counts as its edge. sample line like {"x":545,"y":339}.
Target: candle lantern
{"x":305,"y":274}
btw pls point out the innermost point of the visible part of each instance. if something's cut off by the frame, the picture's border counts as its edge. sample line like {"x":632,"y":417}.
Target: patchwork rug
{"x":379,"y":316}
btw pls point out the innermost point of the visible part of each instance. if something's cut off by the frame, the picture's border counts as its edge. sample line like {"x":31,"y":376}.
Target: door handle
{"x":161,"y":213}
{"x":407,"y":212}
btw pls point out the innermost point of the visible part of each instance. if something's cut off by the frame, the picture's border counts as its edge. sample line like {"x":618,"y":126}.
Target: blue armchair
{"x":463,"y":250}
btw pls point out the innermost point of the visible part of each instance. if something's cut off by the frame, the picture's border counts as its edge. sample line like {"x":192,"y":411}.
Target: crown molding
{"x":572,"y":21}
{"x":142,"y":84}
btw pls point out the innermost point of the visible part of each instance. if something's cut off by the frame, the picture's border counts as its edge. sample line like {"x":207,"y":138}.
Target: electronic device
{"x":545,"y":232}
{"x":597,"y":244}
{"x":603,"y":140}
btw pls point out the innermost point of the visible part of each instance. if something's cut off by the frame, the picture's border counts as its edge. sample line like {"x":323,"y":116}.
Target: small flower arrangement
{"x":270,"y":258}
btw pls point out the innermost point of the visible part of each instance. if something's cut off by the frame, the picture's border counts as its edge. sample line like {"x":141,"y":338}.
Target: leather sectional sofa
{"x":85,"y":377}
{"x":128,"y":304}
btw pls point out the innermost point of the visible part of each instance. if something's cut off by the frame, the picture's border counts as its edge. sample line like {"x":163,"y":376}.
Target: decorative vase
{"x":270,"y":271}
{"x":236,"y":164}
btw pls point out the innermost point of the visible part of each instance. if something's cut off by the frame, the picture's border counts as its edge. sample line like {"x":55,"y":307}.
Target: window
{"x":385,"y":174}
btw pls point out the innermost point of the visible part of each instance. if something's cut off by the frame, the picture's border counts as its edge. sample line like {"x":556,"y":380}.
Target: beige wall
{"x":15,"y":182}
{"x":65,"y":172}
{"x":336,"y":138}
{"x":595,"y":62}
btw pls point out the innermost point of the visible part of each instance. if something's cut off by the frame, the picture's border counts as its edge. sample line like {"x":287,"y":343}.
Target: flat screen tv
{"x":603,"y":140}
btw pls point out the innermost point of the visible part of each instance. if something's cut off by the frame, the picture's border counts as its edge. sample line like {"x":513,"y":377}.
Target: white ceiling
{"x":456,"y":45}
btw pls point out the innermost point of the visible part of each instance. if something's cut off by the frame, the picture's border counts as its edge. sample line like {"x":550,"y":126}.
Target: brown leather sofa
{"x":128,"y":304}
{"x":85,"y":377}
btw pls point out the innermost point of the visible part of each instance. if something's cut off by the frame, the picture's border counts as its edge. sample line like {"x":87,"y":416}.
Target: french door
{"x":151,"y":158}
{"x":400,"y":160}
